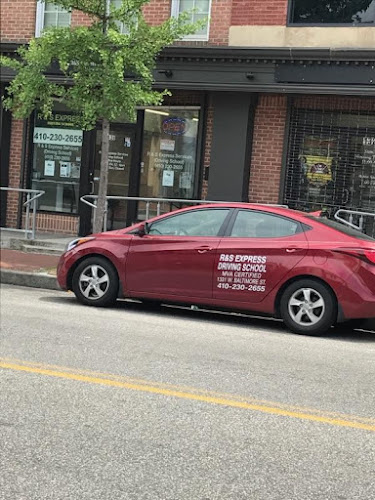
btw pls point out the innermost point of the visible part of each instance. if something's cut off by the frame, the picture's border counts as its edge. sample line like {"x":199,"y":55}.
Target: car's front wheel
{"x":95,"y":282}
{"x":308,"y":307}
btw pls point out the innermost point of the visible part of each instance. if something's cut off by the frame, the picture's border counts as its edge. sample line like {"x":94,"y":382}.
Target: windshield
{"x":341,"y":227}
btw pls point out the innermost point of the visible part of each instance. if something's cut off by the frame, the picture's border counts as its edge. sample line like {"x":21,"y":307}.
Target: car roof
{"x":277,"y":209}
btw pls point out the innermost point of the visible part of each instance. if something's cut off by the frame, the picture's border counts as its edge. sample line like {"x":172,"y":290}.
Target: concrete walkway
{"x":33,"y":268}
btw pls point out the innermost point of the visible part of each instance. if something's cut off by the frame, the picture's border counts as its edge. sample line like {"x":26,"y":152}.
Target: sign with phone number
{"x":58,"y":136}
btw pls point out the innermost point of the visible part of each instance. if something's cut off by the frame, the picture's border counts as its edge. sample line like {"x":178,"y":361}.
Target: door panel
{"x":247,"y":270}
{"x":259,"y":251}
{"x":176,"y":257}
{"x":171,"y":265}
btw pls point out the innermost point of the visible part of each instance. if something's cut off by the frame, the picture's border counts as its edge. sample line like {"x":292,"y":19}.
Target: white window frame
{"x":39,"y":21}
{"x":123,"y":29}
{"x":175,"y":12}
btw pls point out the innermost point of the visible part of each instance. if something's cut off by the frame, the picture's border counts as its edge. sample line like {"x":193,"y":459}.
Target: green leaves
{"x":99,"y":72}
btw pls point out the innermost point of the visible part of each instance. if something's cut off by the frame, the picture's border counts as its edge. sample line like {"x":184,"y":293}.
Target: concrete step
{"x":41,"y":249}
{"x":42,"y":245}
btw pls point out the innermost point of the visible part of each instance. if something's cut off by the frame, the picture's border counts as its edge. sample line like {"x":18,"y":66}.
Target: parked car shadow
{"x":339,"y":333}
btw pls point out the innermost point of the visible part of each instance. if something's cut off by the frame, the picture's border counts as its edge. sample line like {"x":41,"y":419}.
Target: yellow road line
{"x":194,"y":390}
{"x":209,"y":397}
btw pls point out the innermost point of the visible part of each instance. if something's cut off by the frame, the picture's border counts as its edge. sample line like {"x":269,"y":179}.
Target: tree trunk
{"x":103,"y":182}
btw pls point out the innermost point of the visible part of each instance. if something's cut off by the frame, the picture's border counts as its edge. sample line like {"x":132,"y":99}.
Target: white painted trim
{"x":175,"y":11}
{"x":39,"y":21}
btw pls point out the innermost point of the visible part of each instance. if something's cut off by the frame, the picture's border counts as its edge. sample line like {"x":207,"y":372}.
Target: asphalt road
{"x":130,"y":403}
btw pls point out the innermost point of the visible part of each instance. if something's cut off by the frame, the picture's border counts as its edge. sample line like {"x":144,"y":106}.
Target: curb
{"x":23,"y":278}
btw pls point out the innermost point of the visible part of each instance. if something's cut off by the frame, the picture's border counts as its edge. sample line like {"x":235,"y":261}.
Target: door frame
{"x":88,"y":170}
{"x":5,"y":130}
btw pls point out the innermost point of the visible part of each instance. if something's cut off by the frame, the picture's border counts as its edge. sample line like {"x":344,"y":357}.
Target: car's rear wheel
{"x":95,"y":282}
{"x":308,"y":307}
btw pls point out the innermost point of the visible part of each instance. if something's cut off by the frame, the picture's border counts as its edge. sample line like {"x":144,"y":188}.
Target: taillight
{"x":367,"y":255}
{"x":370,"y":255}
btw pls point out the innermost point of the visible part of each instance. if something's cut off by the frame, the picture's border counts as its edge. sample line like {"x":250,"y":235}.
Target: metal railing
{"x":354,"y":218}
{"x":31,"y":196}
{"x":149,"y":201}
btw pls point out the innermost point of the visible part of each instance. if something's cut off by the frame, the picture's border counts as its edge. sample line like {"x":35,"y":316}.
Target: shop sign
{"x":57,"y":161}
{"x":174,"y":126}
{"x":43,"y":135}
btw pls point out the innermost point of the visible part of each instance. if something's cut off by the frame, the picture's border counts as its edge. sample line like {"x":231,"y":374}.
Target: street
{"x":134,"y":403}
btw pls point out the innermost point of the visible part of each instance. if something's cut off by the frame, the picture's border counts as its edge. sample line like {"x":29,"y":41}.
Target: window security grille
{"x":331,"y":161}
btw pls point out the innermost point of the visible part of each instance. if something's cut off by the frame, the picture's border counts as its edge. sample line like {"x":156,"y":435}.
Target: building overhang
{"x":242,"y":69}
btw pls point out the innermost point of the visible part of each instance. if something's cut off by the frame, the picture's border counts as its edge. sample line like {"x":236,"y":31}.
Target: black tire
{"x":308,"y":307}
{"x":96,"y":293}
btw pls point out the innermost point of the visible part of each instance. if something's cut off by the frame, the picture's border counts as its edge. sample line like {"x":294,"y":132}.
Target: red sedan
{"x":309,"y":271}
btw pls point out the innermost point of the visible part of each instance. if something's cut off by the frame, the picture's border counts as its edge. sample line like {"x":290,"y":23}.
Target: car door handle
{"x":204,"y":249}
{"x":293,"y":249}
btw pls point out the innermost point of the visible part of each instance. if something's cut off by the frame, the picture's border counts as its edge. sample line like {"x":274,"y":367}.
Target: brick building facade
{"x":278,"y":109}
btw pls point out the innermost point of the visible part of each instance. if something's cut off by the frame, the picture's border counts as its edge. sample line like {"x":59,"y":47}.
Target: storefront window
{"x":57,"y":162}
{"x":169,"y":151}
{"x":331,"y":161}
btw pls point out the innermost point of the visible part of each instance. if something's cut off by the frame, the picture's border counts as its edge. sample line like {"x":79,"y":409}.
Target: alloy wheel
{"x":306,"y":307}
{"x":94,"y":282}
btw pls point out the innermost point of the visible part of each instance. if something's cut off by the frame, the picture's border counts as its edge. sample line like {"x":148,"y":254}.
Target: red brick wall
{"x":207,"y":147}
{"x":157,"y":11}
{"x":259,"y":12}
{"x":80,"y":19}
{"x":17,"y":20}
{"x":268,"y":145}
{"x":16,"y":136}
{"x":56,"y":223}
{"x":220,"y":21}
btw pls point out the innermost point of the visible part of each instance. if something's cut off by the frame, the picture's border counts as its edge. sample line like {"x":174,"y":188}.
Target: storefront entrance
{"x":156,"y":157}
{"x":121,"y":147}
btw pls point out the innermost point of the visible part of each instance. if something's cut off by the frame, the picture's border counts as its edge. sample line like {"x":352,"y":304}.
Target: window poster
{"x":57,"y":161}
{"x":168,"y":178}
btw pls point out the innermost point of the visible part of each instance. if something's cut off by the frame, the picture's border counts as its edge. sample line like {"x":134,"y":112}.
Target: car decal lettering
{"x":242,"y":272}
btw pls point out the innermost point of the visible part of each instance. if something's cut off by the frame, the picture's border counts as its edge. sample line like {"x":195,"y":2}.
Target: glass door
{"x":121,"y":142}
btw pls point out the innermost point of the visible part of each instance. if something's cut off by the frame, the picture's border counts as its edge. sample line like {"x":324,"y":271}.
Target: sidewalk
{"x":28,"y":269}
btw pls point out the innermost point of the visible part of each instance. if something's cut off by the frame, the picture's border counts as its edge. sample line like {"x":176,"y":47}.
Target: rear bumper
{"x":360,"y":307}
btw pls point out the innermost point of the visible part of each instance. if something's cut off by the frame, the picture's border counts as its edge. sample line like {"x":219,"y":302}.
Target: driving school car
{"x":309,"y":271}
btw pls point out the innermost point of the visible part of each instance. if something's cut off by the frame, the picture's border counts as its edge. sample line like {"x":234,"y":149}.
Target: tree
{"x":329,"y":11}
{"x":105,"y":73}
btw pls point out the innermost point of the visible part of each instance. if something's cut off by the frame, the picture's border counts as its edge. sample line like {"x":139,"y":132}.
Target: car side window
{"x":254,"y":224}
{"x":196,"y":223}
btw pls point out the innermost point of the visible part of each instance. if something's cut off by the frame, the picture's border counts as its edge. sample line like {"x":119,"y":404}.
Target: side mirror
{"x":142,"y":229}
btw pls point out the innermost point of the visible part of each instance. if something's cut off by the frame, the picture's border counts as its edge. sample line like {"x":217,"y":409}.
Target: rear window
{"x":341,"y":228}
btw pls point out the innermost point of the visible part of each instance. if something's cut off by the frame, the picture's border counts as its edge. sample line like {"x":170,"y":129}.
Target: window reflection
{"x":333,"y":12}
{"x":169,"y":153}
